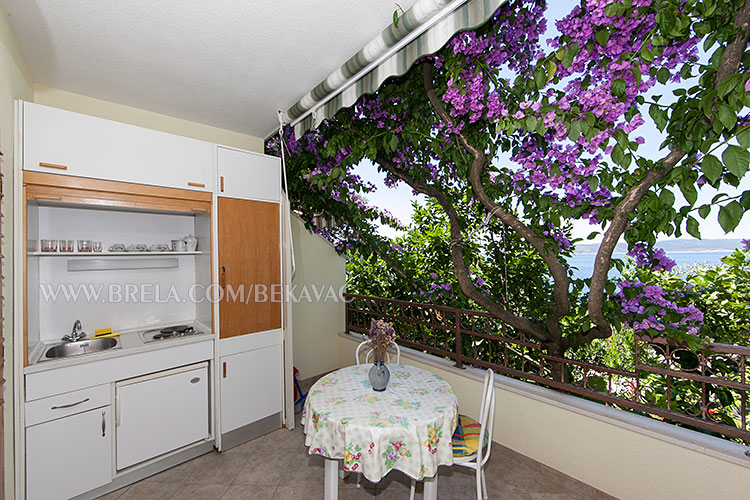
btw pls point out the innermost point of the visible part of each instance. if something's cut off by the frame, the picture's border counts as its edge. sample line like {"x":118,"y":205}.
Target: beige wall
{"x":623,"y":462}
{"x":316,"y":325}
{"x":15,"y":83}
{"x":143,"y":118}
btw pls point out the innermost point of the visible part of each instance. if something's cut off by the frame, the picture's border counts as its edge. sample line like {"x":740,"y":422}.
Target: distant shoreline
{"x":727,"y":245}
{"x":727,"y":250}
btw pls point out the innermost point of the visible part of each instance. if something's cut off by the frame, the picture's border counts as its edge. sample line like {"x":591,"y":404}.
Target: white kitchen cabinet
{"x":248,"y":176}
{"x":251,"y":386}
{"x":161,"y":412}
{"x":63,"y":142}
{"x":69,"y":456}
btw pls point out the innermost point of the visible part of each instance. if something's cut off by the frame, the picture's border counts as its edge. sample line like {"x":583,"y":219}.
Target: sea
{"x":585,"y":262}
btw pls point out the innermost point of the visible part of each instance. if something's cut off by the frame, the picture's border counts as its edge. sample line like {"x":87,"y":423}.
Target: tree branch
{"x":457,"y":257}
{"x":561,"y":299}
{"x":729,"y":65}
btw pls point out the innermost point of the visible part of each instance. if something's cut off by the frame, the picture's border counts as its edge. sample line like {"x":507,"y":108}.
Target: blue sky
{"x":398,"y":200}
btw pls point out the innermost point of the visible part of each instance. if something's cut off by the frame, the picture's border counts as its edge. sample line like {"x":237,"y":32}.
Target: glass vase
{"x":379,"y":376}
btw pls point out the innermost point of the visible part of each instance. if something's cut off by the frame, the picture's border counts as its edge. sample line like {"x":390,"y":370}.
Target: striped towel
{"x":466,"y":437}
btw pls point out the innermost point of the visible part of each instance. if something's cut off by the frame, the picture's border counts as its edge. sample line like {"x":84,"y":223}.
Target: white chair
{"x":472,"y":440}
{"x":371,"y":351}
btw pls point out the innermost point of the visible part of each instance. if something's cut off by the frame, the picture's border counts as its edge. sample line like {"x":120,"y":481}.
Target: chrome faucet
{"x":77,"y":333}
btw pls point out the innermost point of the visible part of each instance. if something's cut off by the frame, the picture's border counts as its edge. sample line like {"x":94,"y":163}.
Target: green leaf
{"x":689,"y":192}
{"x":593,"y":183}
{"x":531,"y":123}
{"x":692,"y":228}
{"x":730,"y":216}
{"x":395,"y":18}
{"x":663,"y":75}
{"x":704,"y":211}
{"x":637,"y":75}
{"x":728,"y":85}
{"x":736,"y":160}
{"x":567,"y":58}
{"x":613,"y":9}
{"x":646,"y":54}
{"x":727,"y":116}
{"x":711,"y":168}
{"x":617,"y":154}
{"x":540,"y":78}
{"x":551,"y":70}
{"x":602,"y":36}
{"x":659,"y":116}
{"x":667,"y":197}
{"x":618,"y":87}
{"x":743,"y":137}
{"x":574,"y":131}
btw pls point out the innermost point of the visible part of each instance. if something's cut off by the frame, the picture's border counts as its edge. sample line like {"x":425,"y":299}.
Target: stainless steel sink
{"x":88,"y":346}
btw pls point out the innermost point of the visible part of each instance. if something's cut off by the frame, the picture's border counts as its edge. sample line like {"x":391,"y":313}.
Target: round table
{"x":408,"y":426}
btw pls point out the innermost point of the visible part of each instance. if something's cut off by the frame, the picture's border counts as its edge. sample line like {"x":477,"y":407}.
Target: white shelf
{"x":96,"y":255}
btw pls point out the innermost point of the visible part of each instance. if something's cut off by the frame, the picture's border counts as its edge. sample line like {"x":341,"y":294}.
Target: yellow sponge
{"x":116,"y":334}
{"x":103,"y":331}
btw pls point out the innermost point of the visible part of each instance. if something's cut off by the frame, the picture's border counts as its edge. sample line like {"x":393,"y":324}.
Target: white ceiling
{"x":225,"y":63}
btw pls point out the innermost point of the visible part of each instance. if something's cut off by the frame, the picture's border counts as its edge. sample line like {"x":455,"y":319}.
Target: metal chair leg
{"x":484,"y":485}
{"x":413,"y":489}
{"x":479,"y":484}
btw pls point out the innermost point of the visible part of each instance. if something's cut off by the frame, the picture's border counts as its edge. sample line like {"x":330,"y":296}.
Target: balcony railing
{"x":706,"y":390}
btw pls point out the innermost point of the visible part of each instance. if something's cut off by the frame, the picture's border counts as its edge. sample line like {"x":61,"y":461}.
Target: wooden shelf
{"x":97,"y":255}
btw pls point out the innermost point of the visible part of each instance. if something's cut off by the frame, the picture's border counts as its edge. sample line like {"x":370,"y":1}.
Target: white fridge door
{"x":161,"y":412}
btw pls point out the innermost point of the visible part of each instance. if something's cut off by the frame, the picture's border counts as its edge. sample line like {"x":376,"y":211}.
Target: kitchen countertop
{"x":130,"y":342}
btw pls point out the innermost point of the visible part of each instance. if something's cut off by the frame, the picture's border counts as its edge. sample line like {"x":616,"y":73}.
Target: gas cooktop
{"x":169,"y":332}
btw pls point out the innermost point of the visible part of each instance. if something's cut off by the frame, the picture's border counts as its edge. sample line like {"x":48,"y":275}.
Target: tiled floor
{"x":277,"y":466}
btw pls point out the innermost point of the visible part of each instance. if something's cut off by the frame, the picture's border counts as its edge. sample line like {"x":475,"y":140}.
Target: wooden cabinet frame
{"x":63,"y":190}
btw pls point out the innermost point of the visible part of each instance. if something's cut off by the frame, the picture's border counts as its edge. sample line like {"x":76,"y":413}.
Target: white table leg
{"x":332,"y":480}
{"x":430,"y":487}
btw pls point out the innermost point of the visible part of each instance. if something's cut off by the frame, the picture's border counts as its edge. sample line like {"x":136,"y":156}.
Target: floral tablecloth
{"x":407,"y":427}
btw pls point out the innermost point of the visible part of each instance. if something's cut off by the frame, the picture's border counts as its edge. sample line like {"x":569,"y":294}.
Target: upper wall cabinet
{"x":248,"y":176}
{"x":63,"y":142}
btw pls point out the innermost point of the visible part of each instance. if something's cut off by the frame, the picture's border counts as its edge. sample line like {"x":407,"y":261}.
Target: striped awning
{"x":353,"y":79}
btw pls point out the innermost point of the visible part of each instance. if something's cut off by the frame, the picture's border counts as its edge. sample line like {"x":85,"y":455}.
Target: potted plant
{"x":381,"y":336}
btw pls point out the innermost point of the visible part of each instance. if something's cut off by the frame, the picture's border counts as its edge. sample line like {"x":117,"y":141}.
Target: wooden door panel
{"x":249,"y":264}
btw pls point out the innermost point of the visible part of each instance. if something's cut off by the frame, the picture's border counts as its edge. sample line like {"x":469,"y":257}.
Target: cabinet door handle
{"x":117,"y":410}
{"x":53,"y":165}
{"x":104,"y":424}
{"x":221,"y":180}
{"x":196,"y":184}
{"x":199,"y":209}
{"x":47,"y":198}
{"x":223,"y":279}
{"x":71,"y":405}
{"x":224,"y":365}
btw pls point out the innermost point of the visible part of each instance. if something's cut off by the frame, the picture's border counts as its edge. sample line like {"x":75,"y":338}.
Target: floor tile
{"x":261,"y":473}
{"x":149,"y":491}
{"x":277,"y":465}
{"x":299,"y":492}
{"x":215,"y":468}
{"x":247,"y":492}
{"x":177,"y":474}
{"x":200,"y":491}
{"x":115,"y":495}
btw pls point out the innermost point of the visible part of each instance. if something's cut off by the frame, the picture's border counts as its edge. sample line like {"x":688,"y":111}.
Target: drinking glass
{"x":49,"y":245}
{"x":66,"y":245}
